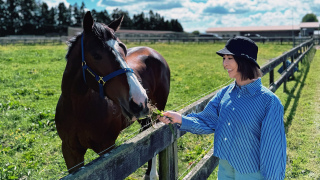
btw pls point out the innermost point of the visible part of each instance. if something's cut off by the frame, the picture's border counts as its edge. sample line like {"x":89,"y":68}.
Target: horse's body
{"x":86,"y":120}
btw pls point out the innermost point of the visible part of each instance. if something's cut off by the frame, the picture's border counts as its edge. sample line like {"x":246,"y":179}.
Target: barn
{"x":301,"y":30}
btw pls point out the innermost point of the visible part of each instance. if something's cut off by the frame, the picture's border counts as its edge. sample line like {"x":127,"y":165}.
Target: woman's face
{"x":230,"y":64}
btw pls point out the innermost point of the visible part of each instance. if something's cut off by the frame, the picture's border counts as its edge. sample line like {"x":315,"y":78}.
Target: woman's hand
{"x":170,"y":117}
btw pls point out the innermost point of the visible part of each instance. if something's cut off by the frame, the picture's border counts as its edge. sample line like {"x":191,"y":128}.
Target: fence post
{"x":168,"y":162}
{"x":285,"y":71}
{"x":271,"y":77}
{"x":292,"y":60}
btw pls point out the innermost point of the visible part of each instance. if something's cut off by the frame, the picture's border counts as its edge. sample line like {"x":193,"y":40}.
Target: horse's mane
{"x":100,"y":30}
{"x":71,"y":43}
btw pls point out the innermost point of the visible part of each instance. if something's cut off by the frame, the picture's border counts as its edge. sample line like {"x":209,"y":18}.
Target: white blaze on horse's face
{"x":137,"y":92}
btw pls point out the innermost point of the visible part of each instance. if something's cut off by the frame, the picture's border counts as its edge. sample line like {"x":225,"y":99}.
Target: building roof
{"x":264,"y":28}
{"x":309,"y":25}
{"x":253,"y":28}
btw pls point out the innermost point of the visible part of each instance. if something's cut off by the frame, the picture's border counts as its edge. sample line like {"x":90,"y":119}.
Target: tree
{"x":82,"y":11}
{"x":77,"y":15}
{"x":196,"y":33}
{"x":152,"y":21}
{"x":4,"y":20}
{"x":61,"y":14}
{"x":159,"y":22}
{"x":310,"y":18}
{"x":35,"y":17}
{"x":44,"y":17}
{"x":28,"y":20}
{"x":139,"y":22}
{"x":62,"y":18}
{"x":176,"y":26}
{"x":94,"y":14}
{"x":68,"y":15}
{"x":126,"y":22}
{"x":103,"y":17}
{"x":51,"y":21}
{"x":14,"y":23}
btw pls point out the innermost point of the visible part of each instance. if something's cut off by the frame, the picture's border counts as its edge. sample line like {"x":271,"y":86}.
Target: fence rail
{"x":32,"y":40}
{"x":27,"y":40}
{"x":297,"y":53}
{"x":122,"y":161}
{"x":196,"y":39}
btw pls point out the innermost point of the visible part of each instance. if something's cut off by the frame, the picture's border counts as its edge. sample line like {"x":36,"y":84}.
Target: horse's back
{"x":153,"y":71}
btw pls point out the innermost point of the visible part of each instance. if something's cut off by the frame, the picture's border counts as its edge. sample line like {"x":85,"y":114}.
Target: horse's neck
{"x":72,"y":81}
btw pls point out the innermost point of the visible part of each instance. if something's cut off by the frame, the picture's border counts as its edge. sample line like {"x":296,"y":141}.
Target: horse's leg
{"x":152,"y":164}
{"x":73,"y":158}
{"x":153,"y":172}
{"x":160,"y":103}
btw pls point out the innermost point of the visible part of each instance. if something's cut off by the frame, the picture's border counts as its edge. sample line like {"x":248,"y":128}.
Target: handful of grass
{"x":154,"y":115}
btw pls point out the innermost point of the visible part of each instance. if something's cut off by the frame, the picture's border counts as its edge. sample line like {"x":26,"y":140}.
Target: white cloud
{"x":55,"y":3}
{"x":201,"y":15}
{"x":99,"y":4}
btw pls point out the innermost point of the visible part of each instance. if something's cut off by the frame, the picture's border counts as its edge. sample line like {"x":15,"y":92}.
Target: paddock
{"x":33,"y":66}
{"x":135,"y":152}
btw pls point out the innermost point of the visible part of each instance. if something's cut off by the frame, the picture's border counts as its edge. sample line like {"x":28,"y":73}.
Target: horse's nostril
{"x":135,"y":108}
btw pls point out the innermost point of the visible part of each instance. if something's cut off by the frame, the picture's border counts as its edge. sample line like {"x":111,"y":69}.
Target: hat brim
{"x":224,"y":51}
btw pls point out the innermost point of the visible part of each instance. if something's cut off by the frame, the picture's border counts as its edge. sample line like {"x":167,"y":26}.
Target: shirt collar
{"x":251,"y":87}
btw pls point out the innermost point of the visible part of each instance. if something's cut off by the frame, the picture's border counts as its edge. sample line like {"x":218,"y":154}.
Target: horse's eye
{"x":96,"y":56}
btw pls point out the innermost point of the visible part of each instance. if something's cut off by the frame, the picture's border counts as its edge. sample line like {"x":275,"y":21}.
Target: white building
{"x":303,"y":29}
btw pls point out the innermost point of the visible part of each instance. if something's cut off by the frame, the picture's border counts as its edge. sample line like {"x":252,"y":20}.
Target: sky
{"x":199,"y":15}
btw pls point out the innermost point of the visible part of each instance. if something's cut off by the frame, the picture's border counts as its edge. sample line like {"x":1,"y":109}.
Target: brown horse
{"x":105,"y":86}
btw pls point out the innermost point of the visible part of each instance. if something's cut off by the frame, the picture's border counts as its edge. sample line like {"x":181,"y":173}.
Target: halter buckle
{"x":101,"y":81}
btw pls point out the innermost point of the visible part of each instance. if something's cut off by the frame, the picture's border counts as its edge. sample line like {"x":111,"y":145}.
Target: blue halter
{"x":101,"y":80}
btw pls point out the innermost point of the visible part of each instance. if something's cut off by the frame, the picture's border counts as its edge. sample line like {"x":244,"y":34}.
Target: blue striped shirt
{"x":248,"y":126}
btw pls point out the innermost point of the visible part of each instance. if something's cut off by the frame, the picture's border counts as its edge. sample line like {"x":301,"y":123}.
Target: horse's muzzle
{"x":138,"y":110}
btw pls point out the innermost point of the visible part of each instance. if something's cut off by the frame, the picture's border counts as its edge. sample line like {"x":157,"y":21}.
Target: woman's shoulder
{"x":269,"y":95}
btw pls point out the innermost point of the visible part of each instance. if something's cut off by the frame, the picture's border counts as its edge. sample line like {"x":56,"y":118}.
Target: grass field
{"x":30,"y":79}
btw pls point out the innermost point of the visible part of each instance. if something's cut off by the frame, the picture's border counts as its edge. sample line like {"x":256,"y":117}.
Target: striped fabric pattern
{"x":248,"y":126}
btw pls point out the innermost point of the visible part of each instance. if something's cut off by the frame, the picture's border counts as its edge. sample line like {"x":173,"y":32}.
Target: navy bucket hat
{"x":241,"y":47}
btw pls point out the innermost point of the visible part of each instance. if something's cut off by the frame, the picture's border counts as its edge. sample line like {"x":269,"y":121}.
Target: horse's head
{"x":105,"y":55}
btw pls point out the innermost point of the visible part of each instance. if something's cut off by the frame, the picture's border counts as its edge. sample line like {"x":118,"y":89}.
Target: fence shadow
{"x":300,"y":80}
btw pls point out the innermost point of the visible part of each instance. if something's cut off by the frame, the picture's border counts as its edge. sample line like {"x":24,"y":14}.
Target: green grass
{"x":302,"y":121}
{"x":30,"y":79}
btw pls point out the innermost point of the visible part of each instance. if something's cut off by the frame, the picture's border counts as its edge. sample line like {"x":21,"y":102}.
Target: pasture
{"x":30,"y":79}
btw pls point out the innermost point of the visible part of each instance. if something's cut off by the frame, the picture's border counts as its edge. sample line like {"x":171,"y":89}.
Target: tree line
{"x":31,"y":17}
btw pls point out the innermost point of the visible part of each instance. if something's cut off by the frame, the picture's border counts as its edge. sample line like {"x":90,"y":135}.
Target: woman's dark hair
{"x":247,"y":69}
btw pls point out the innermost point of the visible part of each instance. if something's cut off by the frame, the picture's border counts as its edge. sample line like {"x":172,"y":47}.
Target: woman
{"x":245,"y":116}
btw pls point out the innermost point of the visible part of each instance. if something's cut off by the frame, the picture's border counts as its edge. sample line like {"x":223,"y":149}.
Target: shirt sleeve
{"x":273,"y":142}
{"x":204,"y":122}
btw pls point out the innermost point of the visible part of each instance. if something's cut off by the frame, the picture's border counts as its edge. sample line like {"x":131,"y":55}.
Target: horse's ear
{"x":87,"y":22}
{"x":115,"y":25}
